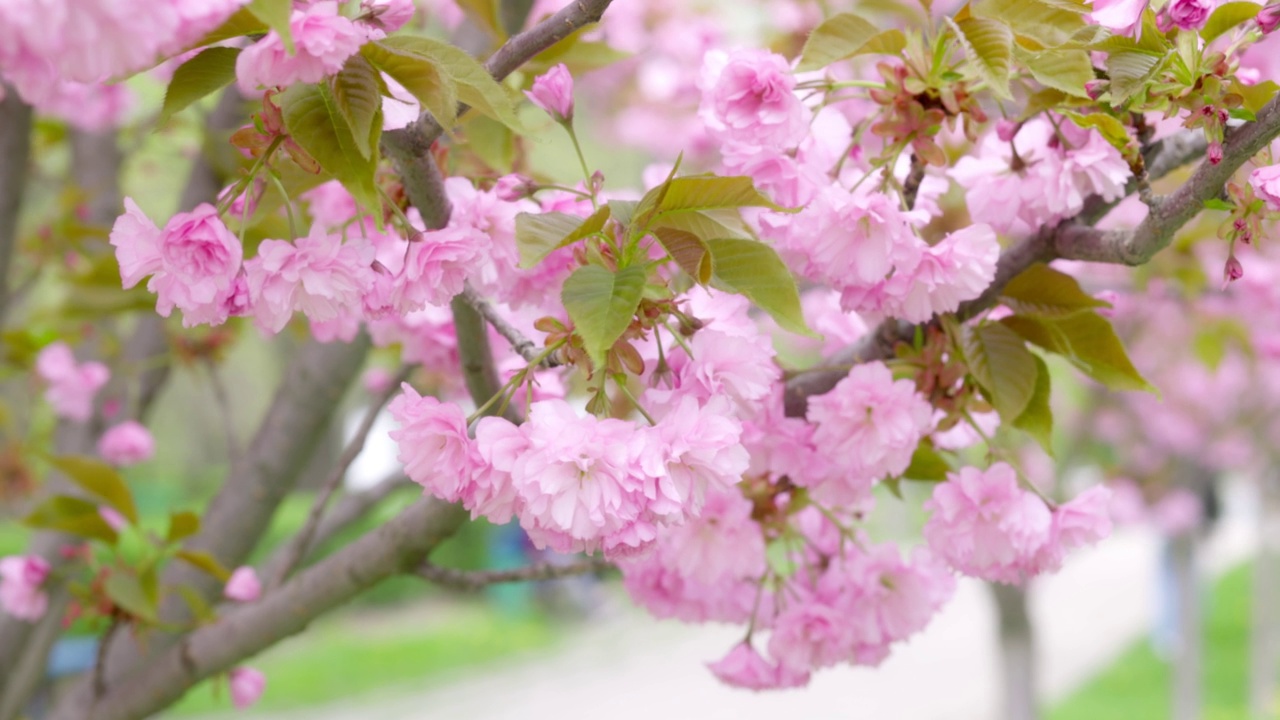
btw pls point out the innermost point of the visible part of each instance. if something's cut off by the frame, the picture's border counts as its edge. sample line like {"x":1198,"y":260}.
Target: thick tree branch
{"x":301,"y":544}
{"x":15,"y":153}
{"x":523,"y":346}
{"x":1073,"y":239}
{"x":478,"y":579}
{"x":394,"y":548}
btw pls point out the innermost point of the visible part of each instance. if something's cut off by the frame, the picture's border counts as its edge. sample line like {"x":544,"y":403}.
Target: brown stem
{"x":477,"y":579}
{"x":15,"y":149}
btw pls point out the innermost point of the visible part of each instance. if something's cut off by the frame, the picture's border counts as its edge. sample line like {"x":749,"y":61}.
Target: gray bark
{"x":1017,"y":654}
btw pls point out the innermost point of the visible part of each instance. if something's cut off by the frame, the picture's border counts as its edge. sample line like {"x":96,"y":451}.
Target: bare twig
{"x":523,"y":346}
{"x":15,"y":149}
{"x":911,"y":186}
{"x":297,"y":549}
{"x":477,"y":579}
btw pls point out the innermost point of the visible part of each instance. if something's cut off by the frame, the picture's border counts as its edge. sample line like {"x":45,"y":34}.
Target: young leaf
{"x":927,"y":465}
{"x":1130,"y":70}
{"x":689,"y":252}
{"x":1037,"y":419}
{"x":182,"y":525}
{"x":1037,"y":24}
{"x":1065,"y":70}
{"x":1001,"y":364}
{"x":421,"y":76}
{"x":539,"y":234}
{"x":72,"y":515}
{"x":476,"y":87}
{"x":706,"y":224}
{"x":242,"y":22}
{"x":210,"y":71}
{"x":845,"y":35}
{"x":355,"y":90}
{"x":314,"y":121}
{"x":989,"y":47}
{"x":127,"y":593}
{"x":702,"y":193}
{"x":1226,"y":17}
{"x":754,"y":269}
{"x":1111,"y":129}
{"x":601,"y":304}
{"x":1045,"y":292}
{"x":275,"y":13}
{"x":100,"y":480}
{"x":204,"y":561}
{"x":1088,"y":341}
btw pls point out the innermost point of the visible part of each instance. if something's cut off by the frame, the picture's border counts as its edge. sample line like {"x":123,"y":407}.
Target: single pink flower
{"x":128,"y":443}
{"x":434,"y":446}
{"x":553,"y":92}
{"x":247,"y":685}
{"x":388,"y":15}
{"x":20,"y":581}
{"x":1120,"y":16}
{"x":318,"y":275}
{"x":749,"y":99}
{"x":323,"y":41}
{"x":72,"y":386}
{"x":243,"y":585}
{"x":1190,"y":14}
{"x":744,"y":667}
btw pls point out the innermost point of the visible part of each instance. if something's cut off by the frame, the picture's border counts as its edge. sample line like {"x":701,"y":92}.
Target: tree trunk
{"x":1184,"y":558}
{"x":1263,"y":654}
{"x":1017,"y":653}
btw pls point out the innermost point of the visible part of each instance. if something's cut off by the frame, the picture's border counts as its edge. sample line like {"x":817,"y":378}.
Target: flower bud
{"x":513,"y":187}
{"x":1215,"y":153}
{"x":553,"y":92}
{"x":1269,"y":18}
{"x":243,"y":585}
{"x":1006,"y":130}
{"x":246,"y":685}
{"x":1232,"y":271}
{"x":1095,"y":88}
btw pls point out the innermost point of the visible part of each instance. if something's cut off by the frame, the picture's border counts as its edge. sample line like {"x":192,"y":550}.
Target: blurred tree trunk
{"x":1263,"y":654}
{"x":1184,"y":556}
{"x":1017,"y":653}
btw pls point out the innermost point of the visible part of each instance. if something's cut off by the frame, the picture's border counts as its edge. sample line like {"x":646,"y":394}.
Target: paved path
{"x":630,"y":667}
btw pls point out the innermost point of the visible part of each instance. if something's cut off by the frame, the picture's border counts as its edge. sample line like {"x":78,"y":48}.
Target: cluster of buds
{"x":938,"y":371}
{"x":915,"y":111}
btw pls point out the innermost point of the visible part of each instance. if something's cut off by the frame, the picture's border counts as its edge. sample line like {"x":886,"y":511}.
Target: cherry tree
{"x":834,"y":288}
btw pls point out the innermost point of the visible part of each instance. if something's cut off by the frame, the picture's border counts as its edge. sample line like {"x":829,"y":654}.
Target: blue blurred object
{"x":509,"y":548}
{"x":71,"y":655}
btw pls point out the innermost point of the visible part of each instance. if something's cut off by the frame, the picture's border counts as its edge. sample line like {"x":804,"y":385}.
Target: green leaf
{"x":539,"y":234}
{"x":1088,"y":341}
{"x":1037,"y":24}
{"x":1130,"y":70}
{"x":688,"y":250}
{"x":210,"y":71}
{"x":1065,"y":70}
{"x":1111,"y":129}
{"x":1002,"y":366}
{"x":430,"y":84}
{"x":476,"y":87}
{"x":492,"y":142}
{"x":126,"y":591}
{"x":989,"y":47}
{"x":73,"y":515}
{"x":708,"y":192}
{"x":1218,"y":204}
{"x":242,"y":22}
{"x":623,"y":210}
{"x":99,"y":480}
{"x":845,"y":35}
{"x":927,"y":465}
{"x":1226,"y":17}
{"x":315,"y":122}
{"x":182,"y":525}
{"x":706,"y":224}
{"x":275,"y":13}
{"x":1042,"y":291}
{"x":602,"y":304}
{"x":754,"y":269}
{"x":204,"y":561}
{"x":355,"y":90}
{"x":1037,"y":419}
{"x":1257,"y":95}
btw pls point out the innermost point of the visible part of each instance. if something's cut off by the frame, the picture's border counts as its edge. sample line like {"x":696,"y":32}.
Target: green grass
{"x":357,"y":655}
{"x":1137,"y":685}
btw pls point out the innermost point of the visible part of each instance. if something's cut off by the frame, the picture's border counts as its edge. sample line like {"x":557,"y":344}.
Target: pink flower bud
{"x":1232,"y":271}
{"x":246,"y":686}
{"x":1006,"y":130}
{"x":243,"y":585}
{"x":513,"y":187}
{"x":1095,"y":88}
{"x":128,"y":443}
{"x":377,"y":380}
{"x":112,"y":517}
{"x":553,"y":92}
{"x":1215,"y":153}
{"x":1269,"y":18}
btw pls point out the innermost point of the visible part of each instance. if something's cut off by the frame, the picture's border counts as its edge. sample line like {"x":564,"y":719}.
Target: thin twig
{"x":523,"y":346}
{"x":477,"y":579}
{"x":297,"y":548}
{"x":911,"y":186}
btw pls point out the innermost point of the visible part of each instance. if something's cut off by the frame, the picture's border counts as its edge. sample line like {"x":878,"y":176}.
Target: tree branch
{"x":15,"y":149}
{"x":300,"y":544}
{"x":1072,"y":240}
{"x":476,"y":579}
{"x":523,"y":346}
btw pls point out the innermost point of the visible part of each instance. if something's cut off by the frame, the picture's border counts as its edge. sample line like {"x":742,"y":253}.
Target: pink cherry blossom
{"x":957,"y":268}
{"x":439,"y":264}
{"x":1085,"y":520}
{"x":388,"y":15}
{"x":984,"y":525}
{"x":1266,"y":184}
{"x":744,"y":667}
{"x":867,"y":427}
{"x":809,"y":634}
{"x":243,"y":585}
{"x":72,"y":386}
{"x":748,"y":97}
{"x":1118,"y":15}
{"x":193,"y":262}
{"x":128,"y":443}
{"x":694,"y":448}
{"x":553,"y":92}
{"x":247,"y":685}
{"x":1190,"y":14}
{"x":434,"y":446}
{"x":318,"y":275}
{"x":20,"y":581}
{"x":740,"y":369}
{"x":323,"y":40}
